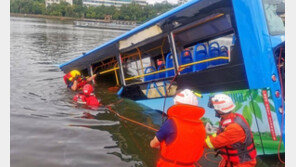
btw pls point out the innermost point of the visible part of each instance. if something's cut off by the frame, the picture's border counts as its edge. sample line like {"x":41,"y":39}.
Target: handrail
{"x":110,"y":70}
{"x":206,"y":60}
{"x":140,"y":57}
{"x":143,"y":75}
{"x":116,"y":76}
{"x":182,"y":66}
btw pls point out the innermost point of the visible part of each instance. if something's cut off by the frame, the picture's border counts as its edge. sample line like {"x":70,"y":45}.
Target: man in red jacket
{"x":75,"y":81}
{"x":88,"y":97}
{"x":181,"y":137}
{"x":234,"y":139}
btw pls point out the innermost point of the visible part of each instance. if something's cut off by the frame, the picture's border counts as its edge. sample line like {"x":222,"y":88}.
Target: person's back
{"x":181,"y":138}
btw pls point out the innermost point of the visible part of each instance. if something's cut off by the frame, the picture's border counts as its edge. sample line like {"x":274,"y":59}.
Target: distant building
{"x":182,"y":1}
{"x":116,"y":3}
{"x":49,"y":2}
{"x":141,"y":2}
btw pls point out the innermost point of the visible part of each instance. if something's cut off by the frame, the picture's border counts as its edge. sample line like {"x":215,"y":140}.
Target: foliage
{"x":131,"y":12}
{"x":252,"y":108}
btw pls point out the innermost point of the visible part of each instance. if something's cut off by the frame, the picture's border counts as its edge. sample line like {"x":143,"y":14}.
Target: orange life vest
{"x":238,"y":152}
{"x":187,"y":148}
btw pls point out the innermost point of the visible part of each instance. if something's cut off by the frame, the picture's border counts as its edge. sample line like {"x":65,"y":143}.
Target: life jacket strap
{"x":236,"y":154}
{"x":178,"y":162}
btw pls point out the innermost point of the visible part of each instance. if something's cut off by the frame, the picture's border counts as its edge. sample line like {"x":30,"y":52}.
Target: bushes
{"x":131,"y":12}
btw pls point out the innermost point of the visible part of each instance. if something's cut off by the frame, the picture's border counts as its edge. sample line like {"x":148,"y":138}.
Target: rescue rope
{"x":206,"y":157}
{"x":165,"y":97}
{"x":135,"y":141}
{"x":130,"y":120}
{"x":282,"y":123}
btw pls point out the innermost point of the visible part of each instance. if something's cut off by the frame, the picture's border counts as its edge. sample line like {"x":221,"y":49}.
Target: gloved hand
{"x":210,"y":129}
{"x":76,"y":77}
{"x":210,"y":104}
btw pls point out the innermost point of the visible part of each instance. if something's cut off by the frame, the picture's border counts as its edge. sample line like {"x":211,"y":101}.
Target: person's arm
{"x":154,"y":143}
{"x":166,"y":133}
{"x":91,"y":78}
{"x":232,"y":134}
{"x":74,"y":86}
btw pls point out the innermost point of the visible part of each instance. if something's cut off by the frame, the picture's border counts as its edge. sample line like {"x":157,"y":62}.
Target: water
{"x":46,"y":128}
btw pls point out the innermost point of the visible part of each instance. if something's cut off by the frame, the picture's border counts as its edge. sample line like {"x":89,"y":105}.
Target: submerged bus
{"x":208,"y":46}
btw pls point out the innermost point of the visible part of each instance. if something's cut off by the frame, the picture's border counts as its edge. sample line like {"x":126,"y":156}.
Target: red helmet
{"x":87,"y":89}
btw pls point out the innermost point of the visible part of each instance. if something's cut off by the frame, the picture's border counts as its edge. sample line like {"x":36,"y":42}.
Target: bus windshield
{"x":275,"y":16}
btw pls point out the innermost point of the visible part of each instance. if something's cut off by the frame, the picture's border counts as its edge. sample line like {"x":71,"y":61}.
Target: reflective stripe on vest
{"x":187,"y":148}
{"x":239,"y":152}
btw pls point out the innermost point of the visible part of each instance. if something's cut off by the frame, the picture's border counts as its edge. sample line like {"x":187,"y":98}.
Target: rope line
{"x":165,"y":97}
{"x":131,"y":120}
{"x":282,"y":123}
{"x":206,"y":157}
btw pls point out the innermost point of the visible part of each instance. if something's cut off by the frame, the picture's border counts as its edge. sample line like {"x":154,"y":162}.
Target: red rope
{"x":206,"y":157}
{"x":165,"y":97}
{"x":282,"y":123}
{"x":130,"y":120}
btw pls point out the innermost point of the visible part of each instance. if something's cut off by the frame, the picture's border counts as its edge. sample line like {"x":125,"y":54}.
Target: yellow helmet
{"x":73,"y":74}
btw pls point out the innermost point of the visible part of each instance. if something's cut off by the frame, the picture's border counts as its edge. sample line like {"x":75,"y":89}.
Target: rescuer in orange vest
{"x":75,"y":81}
{"x":234,"y":139}
{"x":181,"y":137}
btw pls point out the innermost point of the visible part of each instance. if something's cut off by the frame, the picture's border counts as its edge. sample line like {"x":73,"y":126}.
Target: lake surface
{"x":47,"y":129}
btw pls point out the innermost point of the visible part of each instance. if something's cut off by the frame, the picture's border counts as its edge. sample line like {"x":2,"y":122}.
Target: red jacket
{"x":234,"y":132}
{"x":68,"y":79}
{"x":88,"y":100}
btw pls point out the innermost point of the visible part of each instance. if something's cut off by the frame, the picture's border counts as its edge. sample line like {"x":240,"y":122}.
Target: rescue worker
{"x":234,"y":139}
{"x":181,"y":137}
{"x":88,"y":97}
{"x":75,"y":81}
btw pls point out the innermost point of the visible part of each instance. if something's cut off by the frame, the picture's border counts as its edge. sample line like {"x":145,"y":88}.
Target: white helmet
{"x":222,"y":103}
{"x":186,"y":97}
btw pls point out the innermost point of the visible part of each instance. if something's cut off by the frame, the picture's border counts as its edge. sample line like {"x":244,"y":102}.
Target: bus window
{"x":275,"y":16}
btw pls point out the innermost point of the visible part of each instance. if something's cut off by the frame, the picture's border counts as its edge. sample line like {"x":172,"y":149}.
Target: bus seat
{"x":224,"y":53}
{"x":186,"y":57}
{"x":149,"y":77}
{"x":199,"y":55}
{"x":162,"y":74}
{"x":169,"y":64}
{"x":214,"y":51}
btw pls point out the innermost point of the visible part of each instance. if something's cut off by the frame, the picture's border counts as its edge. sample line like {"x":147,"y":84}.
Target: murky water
{"x":46,"y":128}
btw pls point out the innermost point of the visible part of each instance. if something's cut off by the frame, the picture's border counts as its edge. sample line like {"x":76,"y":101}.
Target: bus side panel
{"x":255,"y":105}
{"x":257,"y":49}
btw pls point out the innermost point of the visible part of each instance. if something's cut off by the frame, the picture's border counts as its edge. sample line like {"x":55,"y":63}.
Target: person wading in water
{"x":181,"y":137}
{"x":75,"y":81}
{"x":234,"y":139}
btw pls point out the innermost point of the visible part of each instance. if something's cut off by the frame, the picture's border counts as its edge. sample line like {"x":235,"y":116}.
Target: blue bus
{"x":208,"y":46}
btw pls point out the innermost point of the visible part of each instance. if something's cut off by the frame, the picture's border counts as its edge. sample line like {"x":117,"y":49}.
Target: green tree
{"x":133,"y":11}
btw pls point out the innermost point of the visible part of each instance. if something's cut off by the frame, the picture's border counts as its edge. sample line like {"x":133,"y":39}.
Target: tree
{"x":133,"y":11}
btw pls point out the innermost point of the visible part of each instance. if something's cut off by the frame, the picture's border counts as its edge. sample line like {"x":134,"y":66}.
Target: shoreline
{"x":46,"y":17}
{"x":62,"y":18}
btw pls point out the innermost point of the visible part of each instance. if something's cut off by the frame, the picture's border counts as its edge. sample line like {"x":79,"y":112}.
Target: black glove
{"x":82,"y":77}
{"x":210,"y":104}
{"x":76,"y":77}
